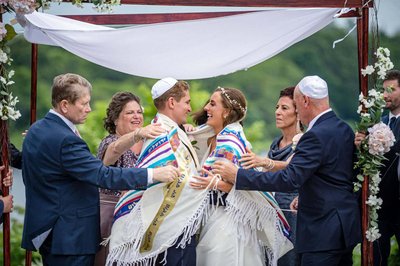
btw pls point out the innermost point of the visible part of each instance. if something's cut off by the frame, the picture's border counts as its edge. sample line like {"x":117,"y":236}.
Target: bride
{"x":243,"y":227}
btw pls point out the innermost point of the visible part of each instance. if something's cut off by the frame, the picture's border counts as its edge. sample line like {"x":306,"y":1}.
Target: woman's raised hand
{"x":151,"y":131}
{"x":251,"y":160}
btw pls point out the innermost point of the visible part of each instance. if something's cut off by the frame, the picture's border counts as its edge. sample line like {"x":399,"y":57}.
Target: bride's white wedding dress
{"x":251,"y":226}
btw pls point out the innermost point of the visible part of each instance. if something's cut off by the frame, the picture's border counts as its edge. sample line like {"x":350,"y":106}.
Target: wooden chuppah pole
{"x":362,"y":38}
{"x":34,"y":67}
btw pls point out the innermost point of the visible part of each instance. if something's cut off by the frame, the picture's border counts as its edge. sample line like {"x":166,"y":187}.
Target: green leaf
{"x":10,"y":32}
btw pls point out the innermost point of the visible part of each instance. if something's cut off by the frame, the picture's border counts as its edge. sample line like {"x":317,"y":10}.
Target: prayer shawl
{"x":255,"y":215}
{"x":148,"y":223}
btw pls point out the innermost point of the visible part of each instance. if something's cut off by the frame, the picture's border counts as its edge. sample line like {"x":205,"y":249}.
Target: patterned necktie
{"x":392,"y":122}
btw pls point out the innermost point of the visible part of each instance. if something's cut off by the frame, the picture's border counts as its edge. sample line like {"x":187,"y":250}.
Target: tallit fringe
{"x":249,"y":217}
{"x":105,"y":241}
{"x":128,"y":253}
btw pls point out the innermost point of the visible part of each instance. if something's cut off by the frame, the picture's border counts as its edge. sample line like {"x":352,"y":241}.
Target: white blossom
{"x":3,"y":57}
{"x":361,"y":96}
{"x":376,"y":178}
{"x":373,"y":234}
{"x":373,"y":93}
{"x":11,"y":74}
{"x":368,"y":70}
{"x":374,"y":201}
{"x":382,"y":73}
{"x":359,"y":109}
{"x":23,"y":6}
{"x":365,"y":115}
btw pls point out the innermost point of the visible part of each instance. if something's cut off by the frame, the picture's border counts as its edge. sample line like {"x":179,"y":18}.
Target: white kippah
{"x":313,"y":87}
{"x":162,"y":86}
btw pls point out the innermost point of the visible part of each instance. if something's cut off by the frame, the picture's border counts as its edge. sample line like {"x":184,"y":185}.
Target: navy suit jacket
{"x":328,"y":215}
{"x":61,"y":179}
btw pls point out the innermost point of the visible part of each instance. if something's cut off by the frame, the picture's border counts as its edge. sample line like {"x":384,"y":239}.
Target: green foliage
{"x":394,"y":258}
{"x":17,"y":253}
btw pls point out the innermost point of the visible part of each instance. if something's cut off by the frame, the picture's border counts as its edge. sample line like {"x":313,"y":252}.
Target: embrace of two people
{"x":187,"y":206}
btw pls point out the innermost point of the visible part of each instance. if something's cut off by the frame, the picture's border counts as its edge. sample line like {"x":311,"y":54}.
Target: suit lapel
{"x":385,"y":119}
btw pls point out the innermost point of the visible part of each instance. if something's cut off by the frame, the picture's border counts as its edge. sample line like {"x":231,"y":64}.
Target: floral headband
{"x":233,"y":102}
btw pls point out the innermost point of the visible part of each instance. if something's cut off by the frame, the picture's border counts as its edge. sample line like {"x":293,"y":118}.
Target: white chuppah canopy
{"x":185,"y":50}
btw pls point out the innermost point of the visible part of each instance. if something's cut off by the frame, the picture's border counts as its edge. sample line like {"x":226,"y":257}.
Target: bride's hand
{"x":251,"y":160}
{"x":202,"y":182}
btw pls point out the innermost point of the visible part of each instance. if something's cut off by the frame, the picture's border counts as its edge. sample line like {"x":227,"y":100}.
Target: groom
{"x":172,"y":100}
{"x":328,"y":225}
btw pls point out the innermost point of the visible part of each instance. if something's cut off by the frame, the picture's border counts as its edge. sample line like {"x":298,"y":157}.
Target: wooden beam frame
{"x":128,"y":19}
{"x":132,"y":19}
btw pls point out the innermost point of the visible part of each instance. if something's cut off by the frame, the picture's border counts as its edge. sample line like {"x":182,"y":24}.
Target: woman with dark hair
{"x":120,"y":148}
{"x":242,"y":226}
{"x":282,"y":149}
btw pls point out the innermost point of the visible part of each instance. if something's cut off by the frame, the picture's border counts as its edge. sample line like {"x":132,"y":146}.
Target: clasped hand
{"x":166,"y":174}
{"x":205,"y":181}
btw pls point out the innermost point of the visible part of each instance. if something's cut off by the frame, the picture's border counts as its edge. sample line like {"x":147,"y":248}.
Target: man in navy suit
{"x":389,"y":188}
{"x":328,"y":224}
{"x":62,"y":178}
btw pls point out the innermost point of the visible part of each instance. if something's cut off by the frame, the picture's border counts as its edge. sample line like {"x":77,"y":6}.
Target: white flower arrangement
{"x":7,"y":101}
{"x":98,"y":5}
{"x":378,"y":141}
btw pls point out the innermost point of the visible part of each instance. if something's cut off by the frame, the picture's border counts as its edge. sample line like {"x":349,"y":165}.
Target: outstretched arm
{"x":250,"y":160}
{"x":125,"y":142}
{"x":302,"y":166}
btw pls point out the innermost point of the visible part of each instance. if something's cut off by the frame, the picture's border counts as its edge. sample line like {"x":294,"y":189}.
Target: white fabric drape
{"x":185,"y":50}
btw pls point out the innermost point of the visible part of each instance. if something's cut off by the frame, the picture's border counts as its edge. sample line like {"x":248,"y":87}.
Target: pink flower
{"x":23,"y":6}
{"x":380,"y":139}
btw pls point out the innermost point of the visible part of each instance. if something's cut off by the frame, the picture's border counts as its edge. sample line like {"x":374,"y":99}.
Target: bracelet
{"x":137,"y":137}
{"x":269,"y":164}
